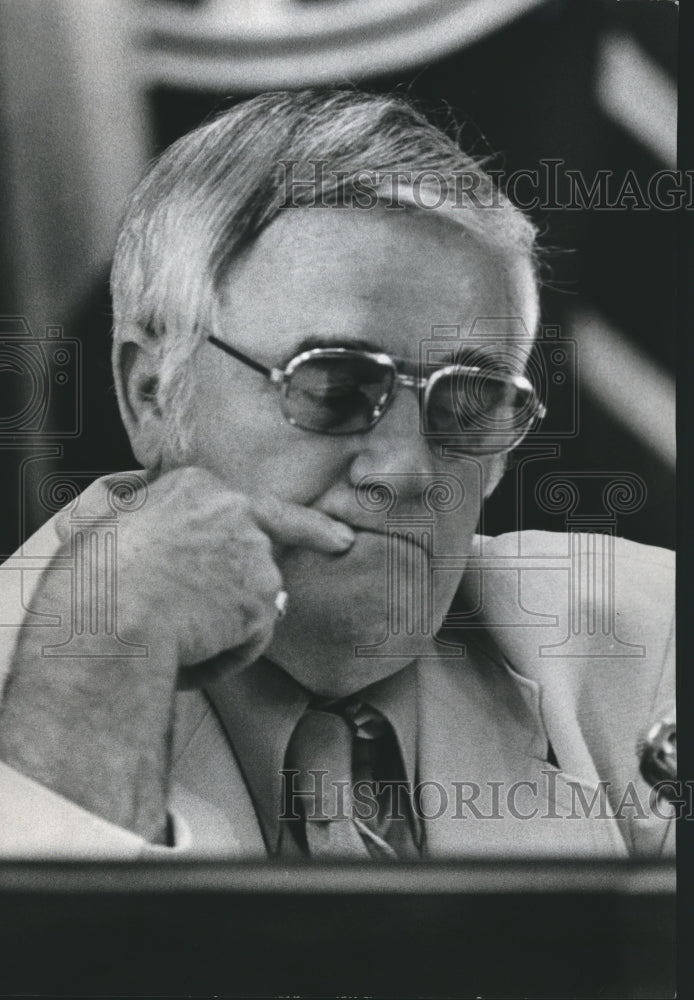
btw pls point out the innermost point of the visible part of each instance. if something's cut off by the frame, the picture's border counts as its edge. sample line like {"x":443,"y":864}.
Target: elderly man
{"x":277,"y":686}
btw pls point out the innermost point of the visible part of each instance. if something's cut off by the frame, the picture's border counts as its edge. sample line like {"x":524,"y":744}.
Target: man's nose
{"x":396,"y":445}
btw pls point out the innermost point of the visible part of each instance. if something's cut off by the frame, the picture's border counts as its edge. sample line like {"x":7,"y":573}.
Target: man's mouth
{"x":354,"y":521}
{"x":367,"y":525}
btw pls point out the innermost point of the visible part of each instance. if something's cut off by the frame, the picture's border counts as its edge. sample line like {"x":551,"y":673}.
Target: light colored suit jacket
{"x":575,"y":648}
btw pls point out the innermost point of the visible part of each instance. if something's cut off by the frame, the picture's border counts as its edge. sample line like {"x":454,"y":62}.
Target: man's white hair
{"x":212,"y":191}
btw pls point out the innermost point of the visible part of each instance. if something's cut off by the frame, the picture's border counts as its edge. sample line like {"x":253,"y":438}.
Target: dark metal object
{"x":658,"y":755}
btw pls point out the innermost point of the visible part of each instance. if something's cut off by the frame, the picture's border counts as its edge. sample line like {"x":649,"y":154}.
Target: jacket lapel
{"x":482,"y":752}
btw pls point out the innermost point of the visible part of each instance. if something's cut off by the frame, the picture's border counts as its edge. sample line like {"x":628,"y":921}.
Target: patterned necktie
{"x":322,"y":750}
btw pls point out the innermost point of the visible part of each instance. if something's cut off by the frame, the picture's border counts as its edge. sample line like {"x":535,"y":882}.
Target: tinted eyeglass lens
{"x":337,"y":395}
{"x":486,"y":413}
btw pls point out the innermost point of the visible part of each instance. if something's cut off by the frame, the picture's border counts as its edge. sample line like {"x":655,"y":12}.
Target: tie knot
{"x":365,"y":721}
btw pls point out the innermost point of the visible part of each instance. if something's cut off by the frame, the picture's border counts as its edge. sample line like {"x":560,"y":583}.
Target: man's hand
{"x":196,"y":565}
{"x":195,"y":578}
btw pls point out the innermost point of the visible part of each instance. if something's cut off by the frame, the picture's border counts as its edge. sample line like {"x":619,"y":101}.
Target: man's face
{"x":338,"y":278}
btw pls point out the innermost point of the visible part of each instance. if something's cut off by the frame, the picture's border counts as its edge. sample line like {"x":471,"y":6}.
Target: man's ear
{"x":136,"y":373}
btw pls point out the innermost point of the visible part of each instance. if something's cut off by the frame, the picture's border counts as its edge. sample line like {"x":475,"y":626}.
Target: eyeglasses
{"x":340,"y":390}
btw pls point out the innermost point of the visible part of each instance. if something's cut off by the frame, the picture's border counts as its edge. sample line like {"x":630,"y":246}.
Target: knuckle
{"x":239,"y":505}
{"x":193,"y":479}
{"x":185,"y":476}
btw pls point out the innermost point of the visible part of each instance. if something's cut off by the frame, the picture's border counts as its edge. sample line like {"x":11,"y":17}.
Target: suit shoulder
{"x":555,"y":544}
{"x":533,"y":576}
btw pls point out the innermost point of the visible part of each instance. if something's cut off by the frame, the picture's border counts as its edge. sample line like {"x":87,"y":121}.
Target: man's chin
{"x":341,"y":590}
{"x":357,"y":599}
{"x":341,"y":646}
{"x":336,"y":677}
{"x":342,"y":632}
{"x":366,"y":568}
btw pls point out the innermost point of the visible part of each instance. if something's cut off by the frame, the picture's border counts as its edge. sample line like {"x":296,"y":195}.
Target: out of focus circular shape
{"x":253,"y":45}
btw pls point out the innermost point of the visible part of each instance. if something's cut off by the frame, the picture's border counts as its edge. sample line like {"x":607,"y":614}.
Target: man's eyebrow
{"x":315,"y":341}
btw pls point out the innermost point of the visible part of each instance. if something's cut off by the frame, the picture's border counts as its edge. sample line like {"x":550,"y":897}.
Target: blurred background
{"x":91,"y":91}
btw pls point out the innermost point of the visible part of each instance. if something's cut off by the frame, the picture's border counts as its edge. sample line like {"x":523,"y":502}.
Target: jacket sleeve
{"x":36,"y":822}
{"x":39,"y":824}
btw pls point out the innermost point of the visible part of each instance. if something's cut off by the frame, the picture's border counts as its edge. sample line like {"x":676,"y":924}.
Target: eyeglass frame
{"x":280,"y":379}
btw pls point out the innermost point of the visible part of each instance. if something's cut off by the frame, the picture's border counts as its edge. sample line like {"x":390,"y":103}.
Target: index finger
{"x":292,"y":524}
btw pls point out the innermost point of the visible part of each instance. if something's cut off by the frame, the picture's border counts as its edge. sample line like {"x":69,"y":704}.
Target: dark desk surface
{"x":445,"y":930}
